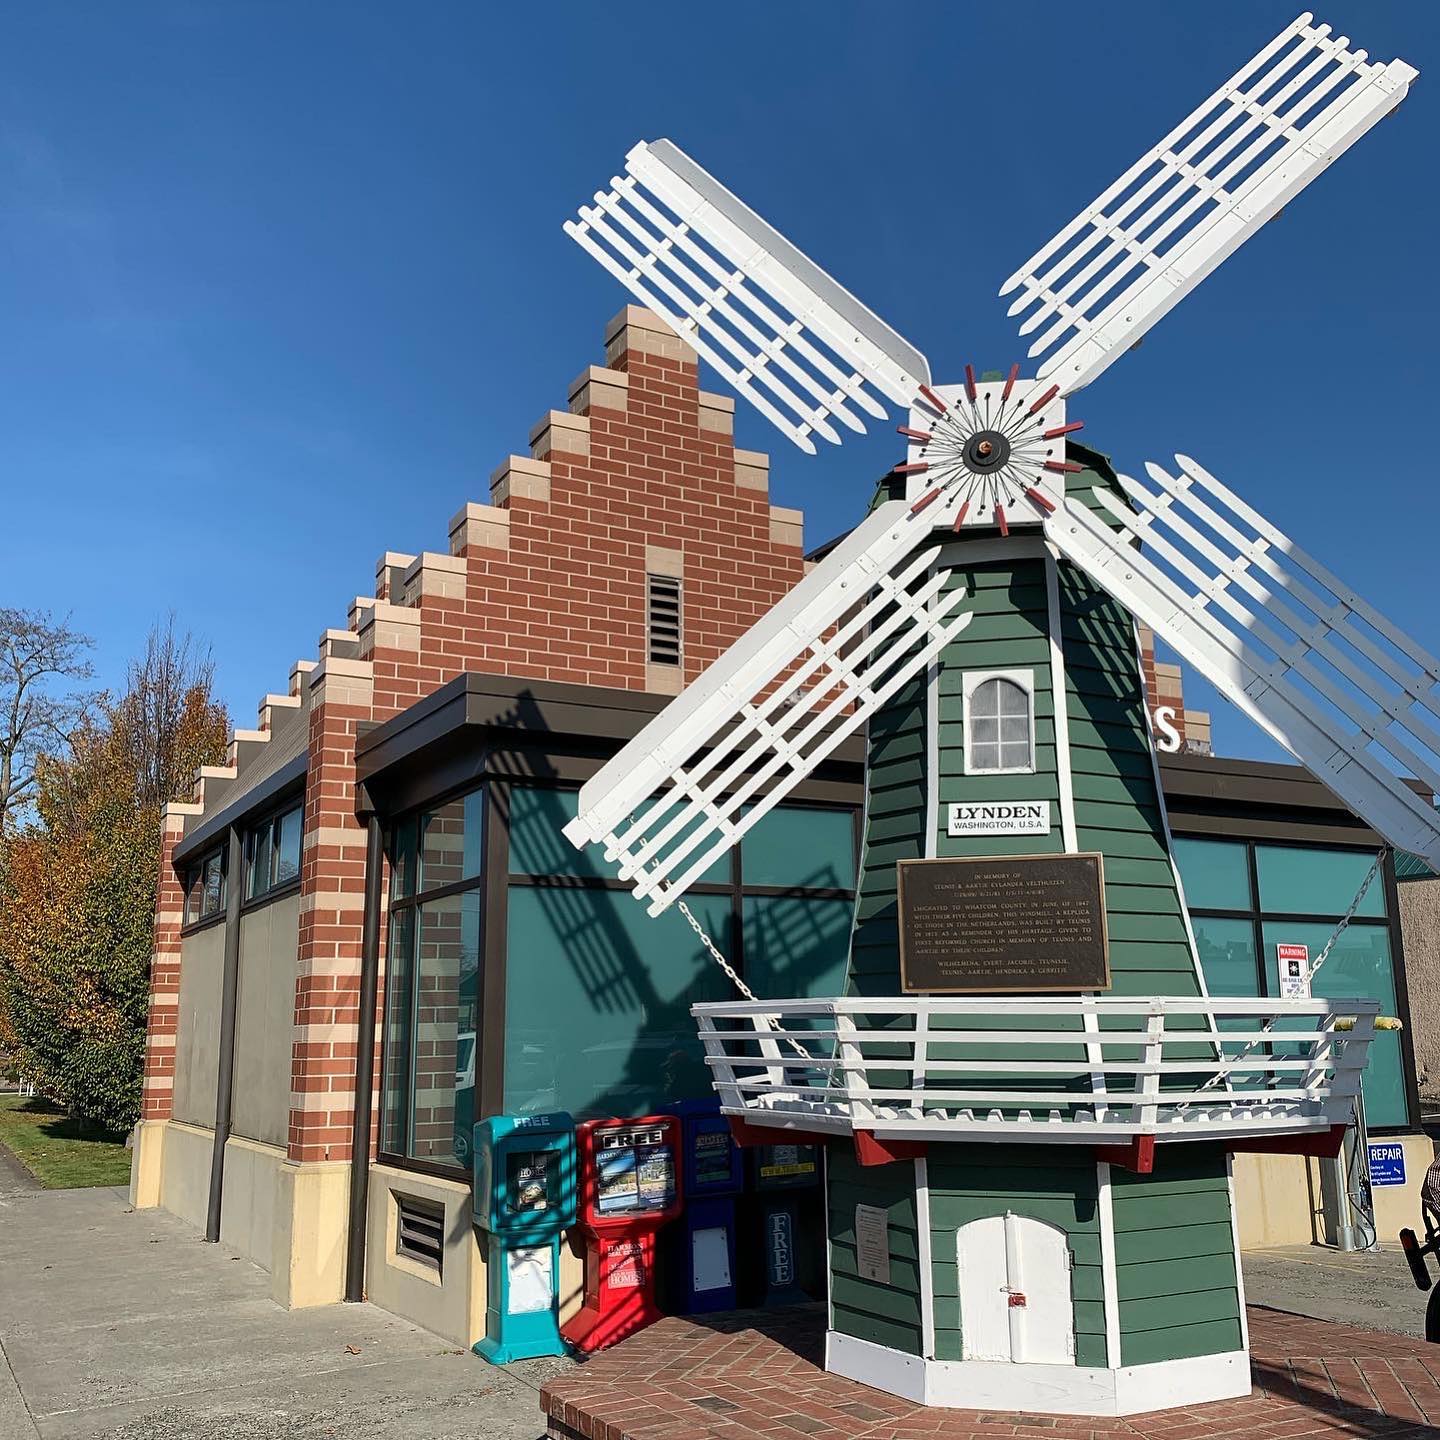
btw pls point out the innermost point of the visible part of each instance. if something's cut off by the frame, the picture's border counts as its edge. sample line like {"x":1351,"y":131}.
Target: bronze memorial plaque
{"x":1003,"y":924}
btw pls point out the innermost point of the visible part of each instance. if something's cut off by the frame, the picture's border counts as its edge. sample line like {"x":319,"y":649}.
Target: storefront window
{"x":598,"y":992}
{"x":1302,"y":892}
{"x":432,"y":985}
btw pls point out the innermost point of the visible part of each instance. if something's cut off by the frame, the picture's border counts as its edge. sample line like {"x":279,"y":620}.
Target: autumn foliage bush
{"x":77,"y":895}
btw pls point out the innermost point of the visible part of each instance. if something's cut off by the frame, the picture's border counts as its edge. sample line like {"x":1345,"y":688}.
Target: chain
{"x":736,"y":981}
{"x":1324,"y":955}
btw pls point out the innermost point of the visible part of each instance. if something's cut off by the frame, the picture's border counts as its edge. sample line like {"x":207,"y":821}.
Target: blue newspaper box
{"x":524,"y":1199}
{"x":786,"y":1181}
{"x":700,"y":1250}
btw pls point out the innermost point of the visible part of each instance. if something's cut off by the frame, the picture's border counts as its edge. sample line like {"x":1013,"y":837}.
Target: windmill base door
{"x":1014,"y":1275}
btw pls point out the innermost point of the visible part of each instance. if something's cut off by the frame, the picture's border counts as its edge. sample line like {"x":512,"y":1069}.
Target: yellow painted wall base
{"x":311,"y":1223}
{"x":147,"y":1164}
{"x":1279,"y":1199}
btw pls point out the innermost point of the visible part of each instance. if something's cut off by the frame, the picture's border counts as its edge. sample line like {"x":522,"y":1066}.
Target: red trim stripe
{"x":933,"y":400}
{"x":1044,"y":400}
{"x":1060,"y":430}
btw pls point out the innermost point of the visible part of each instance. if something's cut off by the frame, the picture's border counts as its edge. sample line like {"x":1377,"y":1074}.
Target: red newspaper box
{"x":629,"y":1187}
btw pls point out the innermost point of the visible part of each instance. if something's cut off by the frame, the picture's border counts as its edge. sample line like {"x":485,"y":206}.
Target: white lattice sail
{"x":1197,"y":196}
{"x":1343,"y":689}
{"x":797,"y":345}
{"x":759,"y":720}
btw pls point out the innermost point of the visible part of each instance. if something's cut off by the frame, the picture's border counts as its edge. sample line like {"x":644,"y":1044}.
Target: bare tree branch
{"x":37,"y":715}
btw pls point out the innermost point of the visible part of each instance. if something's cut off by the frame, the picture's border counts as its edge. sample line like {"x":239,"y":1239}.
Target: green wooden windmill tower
{"x":1029,"y":1101}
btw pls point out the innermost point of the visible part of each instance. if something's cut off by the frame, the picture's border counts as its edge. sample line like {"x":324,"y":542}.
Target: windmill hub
{"x":986,"y":451}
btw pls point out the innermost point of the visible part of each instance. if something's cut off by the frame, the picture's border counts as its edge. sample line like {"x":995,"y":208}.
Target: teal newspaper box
{"x":524,"y":1199}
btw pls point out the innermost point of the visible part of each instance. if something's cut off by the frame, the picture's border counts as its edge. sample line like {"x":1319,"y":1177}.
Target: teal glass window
{"x":431,"y":1036}
{"x":450,"y":842}
{"x":597,"y":1001}
{"x":1215,"y":873}
{"x":598,"y":993}
{"x":1297,"y":880}
{"x":274,"y":850}
{"x":804,"y":846}
{"x":538,"y":848}
{"x":1314,"y":886}
{"x":1358,"y":967}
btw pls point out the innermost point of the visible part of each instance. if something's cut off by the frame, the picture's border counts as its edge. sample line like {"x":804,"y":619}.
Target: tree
{"x":36,"y":651}
{"x":76,"y":915}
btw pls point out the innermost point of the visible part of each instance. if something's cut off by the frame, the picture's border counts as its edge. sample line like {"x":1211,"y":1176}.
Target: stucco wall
{"x":264,"y":1021}
{"x":1420,"y":933}
{"x":197,"y":1040}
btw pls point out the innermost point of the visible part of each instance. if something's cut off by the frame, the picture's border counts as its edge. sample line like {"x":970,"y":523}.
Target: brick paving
{"x":758,"y":1374}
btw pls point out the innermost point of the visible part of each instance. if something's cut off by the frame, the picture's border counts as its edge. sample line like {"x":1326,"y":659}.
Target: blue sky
{"x":281,"y":284}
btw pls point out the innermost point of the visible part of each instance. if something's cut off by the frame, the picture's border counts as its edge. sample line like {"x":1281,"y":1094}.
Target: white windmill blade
{"x":1197,"y":196}
{"x":793,"y":342}
{"x":1345,"y":691}
{"x":808,"y":674}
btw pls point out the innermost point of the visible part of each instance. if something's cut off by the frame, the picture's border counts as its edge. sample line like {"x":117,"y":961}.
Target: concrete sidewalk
{"x":117,"y":1325}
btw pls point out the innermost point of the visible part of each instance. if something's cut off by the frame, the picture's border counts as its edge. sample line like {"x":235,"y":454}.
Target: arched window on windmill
{"x":1000,"y":722}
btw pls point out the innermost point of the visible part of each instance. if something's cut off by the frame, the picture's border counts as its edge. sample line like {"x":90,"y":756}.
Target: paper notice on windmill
{"x":872,"y":1243}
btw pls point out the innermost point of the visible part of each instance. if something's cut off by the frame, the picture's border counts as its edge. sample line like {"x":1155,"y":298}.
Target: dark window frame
{"x":1257,"y":917}
{"x":494,"y":881}
{"x":272,"y":819}
{"x":193,"y":874}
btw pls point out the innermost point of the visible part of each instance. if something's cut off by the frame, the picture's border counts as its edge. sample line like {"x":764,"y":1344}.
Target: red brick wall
{"x":547,"y":583}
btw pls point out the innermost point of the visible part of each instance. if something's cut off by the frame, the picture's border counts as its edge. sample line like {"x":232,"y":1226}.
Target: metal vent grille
{"x":420,"y":1231}
{"x":662,"y":619}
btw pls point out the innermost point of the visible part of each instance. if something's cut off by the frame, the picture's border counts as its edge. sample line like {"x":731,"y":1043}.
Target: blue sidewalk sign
{"x":1387,"y":1162}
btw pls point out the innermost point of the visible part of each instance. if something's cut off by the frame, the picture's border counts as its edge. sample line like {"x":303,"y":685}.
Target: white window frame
{"x":973,"y":680}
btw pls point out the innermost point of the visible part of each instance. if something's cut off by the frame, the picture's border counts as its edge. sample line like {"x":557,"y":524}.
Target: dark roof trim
{"x":260,"y":797}
{"x":437,"y":743}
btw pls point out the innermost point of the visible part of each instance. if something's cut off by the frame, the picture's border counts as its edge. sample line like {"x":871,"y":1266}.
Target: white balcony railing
{"x":1069,"y":1069}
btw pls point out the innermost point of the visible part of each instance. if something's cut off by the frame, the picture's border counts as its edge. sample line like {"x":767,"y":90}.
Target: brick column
{"x":315,"y":1177}
{"x":157,"y":1095}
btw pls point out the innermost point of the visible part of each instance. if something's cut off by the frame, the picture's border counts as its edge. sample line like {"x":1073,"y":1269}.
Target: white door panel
{"x":1014,"y":1280}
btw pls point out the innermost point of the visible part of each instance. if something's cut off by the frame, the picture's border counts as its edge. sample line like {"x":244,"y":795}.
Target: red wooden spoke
{"x":1001,"y":521}
{"x":919,"y":467}
{"x":934,"y":401}
{"x":1041,"y":499}
{"x":960,"y":518}
{"x":923,"y":436}
{"x":927,"y":498}
{"x":1063,"y":430}
{"x":1063,"y":467}
{"x":1044,"y":400}
{"x":970,"y":382}
{"x":1010,"y":383}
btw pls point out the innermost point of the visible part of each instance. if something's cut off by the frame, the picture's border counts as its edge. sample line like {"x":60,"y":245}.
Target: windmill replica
{"x":1028,"y":1100}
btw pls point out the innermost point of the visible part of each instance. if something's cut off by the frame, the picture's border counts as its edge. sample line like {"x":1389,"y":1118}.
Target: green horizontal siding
{"x":1175,"y":1257}
{"x":883,"y":1314}
{"x":1047,"y":1183}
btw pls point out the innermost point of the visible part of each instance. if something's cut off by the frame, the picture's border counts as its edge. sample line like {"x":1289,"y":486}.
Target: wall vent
{"x":420,"y":1231}
{"x":662,"y":619}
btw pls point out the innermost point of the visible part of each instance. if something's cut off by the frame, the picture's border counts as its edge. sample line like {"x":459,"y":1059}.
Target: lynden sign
{"x":1000,"y":817}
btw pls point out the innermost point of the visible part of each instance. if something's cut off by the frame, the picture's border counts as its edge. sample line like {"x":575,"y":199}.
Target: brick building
{"x":613,"y":561}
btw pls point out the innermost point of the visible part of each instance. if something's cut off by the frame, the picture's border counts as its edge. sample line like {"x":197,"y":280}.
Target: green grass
{"x":60,"y":1152}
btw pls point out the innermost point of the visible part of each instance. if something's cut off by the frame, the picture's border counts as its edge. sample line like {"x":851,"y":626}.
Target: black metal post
{"x":229,"y":988}
{"x":364,"y":1062}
